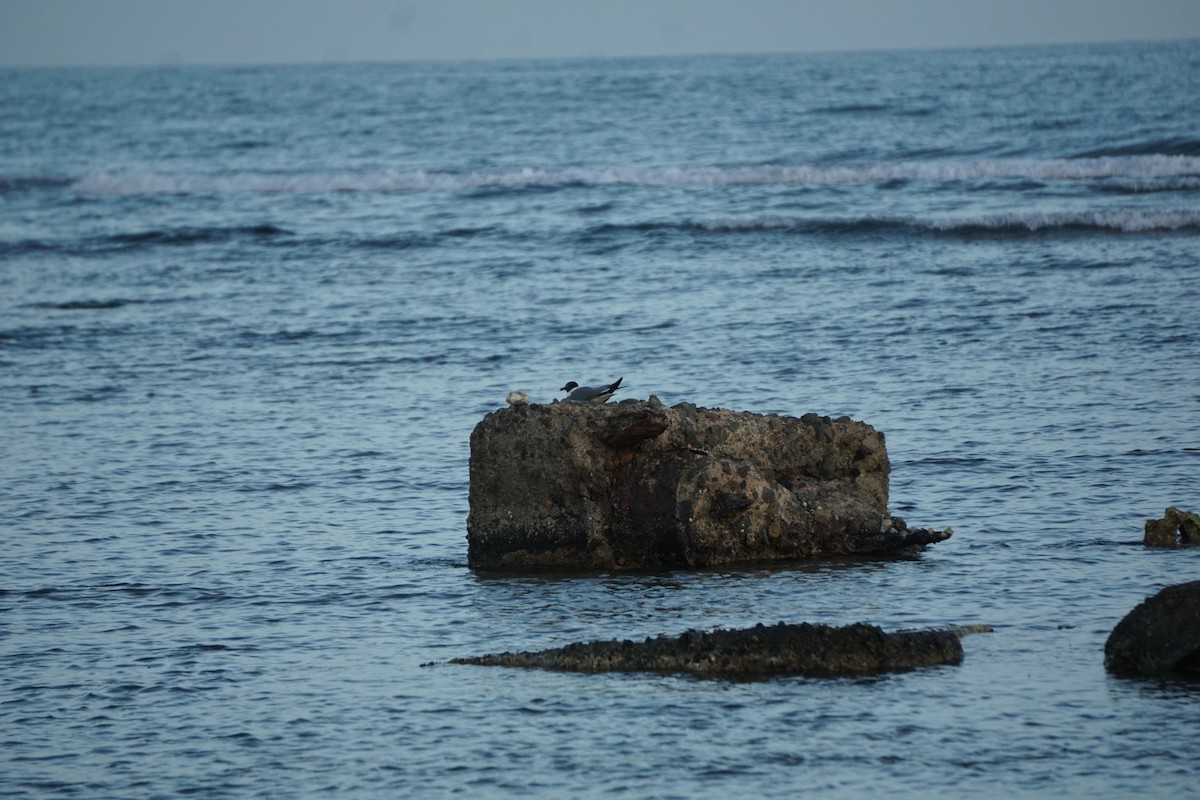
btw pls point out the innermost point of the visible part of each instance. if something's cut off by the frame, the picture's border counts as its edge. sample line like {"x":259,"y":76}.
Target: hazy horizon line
{"x":171,"y":61}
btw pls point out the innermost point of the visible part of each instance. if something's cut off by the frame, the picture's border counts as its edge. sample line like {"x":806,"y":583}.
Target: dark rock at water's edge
{"x":1160,"y":637}
{"x":761,"y":651}
{"x":1175,"y":528}
{"x":639,"y":485}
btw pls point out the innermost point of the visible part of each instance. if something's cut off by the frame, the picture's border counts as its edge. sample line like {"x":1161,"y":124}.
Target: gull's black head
{"x":570,"y":385}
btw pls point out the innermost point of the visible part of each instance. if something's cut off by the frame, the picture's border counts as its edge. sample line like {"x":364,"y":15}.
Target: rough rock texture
{"x":1161,"y":636}
{"x":1175,"y":528}
{"x":636,"y":484}
{"x":802,"y":649}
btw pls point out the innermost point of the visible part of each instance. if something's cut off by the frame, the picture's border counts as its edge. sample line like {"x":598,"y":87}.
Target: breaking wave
{"x":998,"y":225}
{"x":1123,"y":221}
{"x":1145,"y":171}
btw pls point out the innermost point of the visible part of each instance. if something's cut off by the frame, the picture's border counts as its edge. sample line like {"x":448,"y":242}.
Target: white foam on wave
{"x":1124,"y":221}
{"x":1143,"y":172}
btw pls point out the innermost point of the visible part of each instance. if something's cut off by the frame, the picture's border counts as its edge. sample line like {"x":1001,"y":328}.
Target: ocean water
{"x":249,"y":317}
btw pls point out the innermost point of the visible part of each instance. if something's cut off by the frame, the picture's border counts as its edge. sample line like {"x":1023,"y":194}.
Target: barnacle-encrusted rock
{"x":1176,"y":527}
{"x":637,"y":485}
{"x":761,"y":651}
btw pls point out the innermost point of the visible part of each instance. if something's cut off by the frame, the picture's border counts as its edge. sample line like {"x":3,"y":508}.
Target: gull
{"x":594,"y":394}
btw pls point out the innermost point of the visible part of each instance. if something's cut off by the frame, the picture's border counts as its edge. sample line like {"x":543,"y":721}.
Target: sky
{"x":113,"y":32}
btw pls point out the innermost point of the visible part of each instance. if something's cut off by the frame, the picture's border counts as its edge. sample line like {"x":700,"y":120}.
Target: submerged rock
{"x":1160,"y":637}
{"x":1175,"y":528}
{"x":803,"y":649}
{"x":637,"y":485}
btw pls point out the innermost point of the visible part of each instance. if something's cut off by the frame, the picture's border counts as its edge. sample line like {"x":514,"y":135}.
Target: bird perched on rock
{"x":590,"y":394}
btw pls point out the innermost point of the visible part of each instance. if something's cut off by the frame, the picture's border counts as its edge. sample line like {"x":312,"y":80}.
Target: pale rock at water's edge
{"x":639,"y":485}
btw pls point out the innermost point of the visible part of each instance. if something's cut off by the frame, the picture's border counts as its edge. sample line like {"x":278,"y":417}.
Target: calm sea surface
{"x":249,"y":317}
